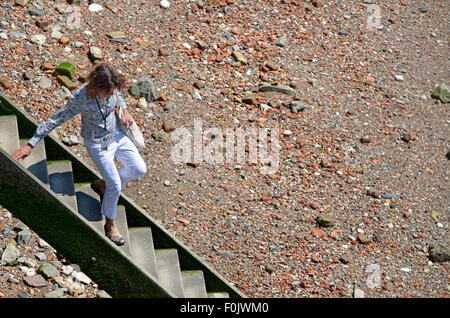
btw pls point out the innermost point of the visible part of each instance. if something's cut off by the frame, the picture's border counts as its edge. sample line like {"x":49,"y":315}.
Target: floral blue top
{"x":92,"y":123}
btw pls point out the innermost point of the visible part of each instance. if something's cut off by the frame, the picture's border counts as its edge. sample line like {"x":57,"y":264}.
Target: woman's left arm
{"x":128,"y":119}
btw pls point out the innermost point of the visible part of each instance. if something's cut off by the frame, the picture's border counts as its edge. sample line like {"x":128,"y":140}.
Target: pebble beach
{"x":359,"y":203}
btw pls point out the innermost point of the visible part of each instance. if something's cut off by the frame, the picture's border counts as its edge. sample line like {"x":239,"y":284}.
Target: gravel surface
{"x":361,"y":189}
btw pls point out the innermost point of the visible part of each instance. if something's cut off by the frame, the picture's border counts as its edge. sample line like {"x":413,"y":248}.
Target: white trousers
{"x":132,"y":166}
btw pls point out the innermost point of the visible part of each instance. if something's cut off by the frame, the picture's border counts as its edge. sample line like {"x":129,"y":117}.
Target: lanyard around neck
{"x":103,"y":115}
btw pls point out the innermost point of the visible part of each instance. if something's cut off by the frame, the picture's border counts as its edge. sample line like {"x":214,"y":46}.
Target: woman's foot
{"x":112,"y":233}
{"x":99,"y":187}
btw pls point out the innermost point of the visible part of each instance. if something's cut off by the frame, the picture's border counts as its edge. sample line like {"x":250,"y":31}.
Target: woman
{"x":103,"y":138}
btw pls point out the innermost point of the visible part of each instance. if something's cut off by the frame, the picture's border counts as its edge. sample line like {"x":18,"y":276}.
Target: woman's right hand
{"x":22,"y":153}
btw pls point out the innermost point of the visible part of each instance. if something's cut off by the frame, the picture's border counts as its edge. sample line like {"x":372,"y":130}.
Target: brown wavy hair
{"x":103,"y":78}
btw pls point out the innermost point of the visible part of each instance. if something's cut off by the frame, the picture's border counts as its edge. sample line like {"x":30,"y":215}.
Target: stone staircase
{"x":162,"y":264}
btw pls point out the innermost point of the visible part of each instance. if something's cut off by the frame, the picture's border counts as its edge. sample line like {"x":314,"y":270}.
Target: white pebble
{"x":95,"y":7}
{"x":405,"y":269}
{"x":399,"y":78}
{"x":164,"y":4}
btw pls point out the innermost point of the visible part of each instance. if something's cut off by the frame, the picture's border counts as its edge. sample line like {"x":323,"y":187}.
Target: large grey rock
{"x":67,"y":270}
{"x":438,"y":252}
{"x":276,"y":88}
{"x":325,"y":220}
{"x":281,"y":41}
{"x":57,"y":293}
{"x":41,"y":256}
{"x":296,"y":106}
{"x":48,"y":270}
{"x":23,"y":237}
{"x":71,"y":140}
{"x":144,"y":87}
{"x":10,"y":255}
{"x":442,"y":92}
{"x":35,"y":281}
{"x":160,"y":136}
{"x":62,"y":93}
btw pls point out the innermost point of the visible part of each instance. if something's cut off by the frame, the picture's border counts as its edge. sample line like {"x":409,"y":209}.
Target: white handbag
{"x":133,"y":132}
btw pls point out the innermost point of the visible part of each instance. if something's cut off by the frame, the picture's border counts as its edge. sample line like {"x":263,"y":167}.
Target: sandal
{"x":96,"y":187}
{"x":116,"y":238}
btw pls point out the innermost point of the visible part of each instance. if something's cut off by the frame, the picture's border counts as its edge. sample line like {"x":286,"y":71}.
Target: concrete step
{"x":60,"y":177}
{"x":9,"y":134}
{"x":142,"y":248}
{"x":193,"y":284}
{"x":89,"y":205}
{"x":36,"y":162}
{"x":169,"y":273}
{"x":218,"y":295}
{"x":122,"y":226}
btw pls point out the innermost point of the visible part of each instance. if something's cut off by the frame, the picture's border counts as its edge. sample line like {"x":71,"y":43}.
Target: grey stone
{"x":13,"y":280}
{"x":44,"y":82}
{"x":48,"y":270}
{"x":95,"y":53}
{"x":196,"y":95}
{"x":442,"y":92}
{"x":30,"y":262}
{"x":36,"y":12}
{"x":388,"y":195}
{"x":75,"y":287}
{"x":438,"y":252}
{"x":276,"y":88}
{"x":38,"y":39}
{"x":358,"y":293}
{"x":57,"y":293}
{"x":28,"y":271}
{"x":71,"y":140}
{"x":269,"y":268}
{"x":67,"y":270}
{"x":10,"y":255}
{"x":325,"y":220}
{"x":40,"y":256}
{"x":18,"y":34}
{"x":35,"y":281}
{"x":144,"y":87}
{"x":62,"y":93}
{"x":8,"y":215}
{"x":365,"y":140}
{"x":23,"y":237}
{"x":160,"y":136}
{"x":281,"y":41}
{"x":296,"y":106}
